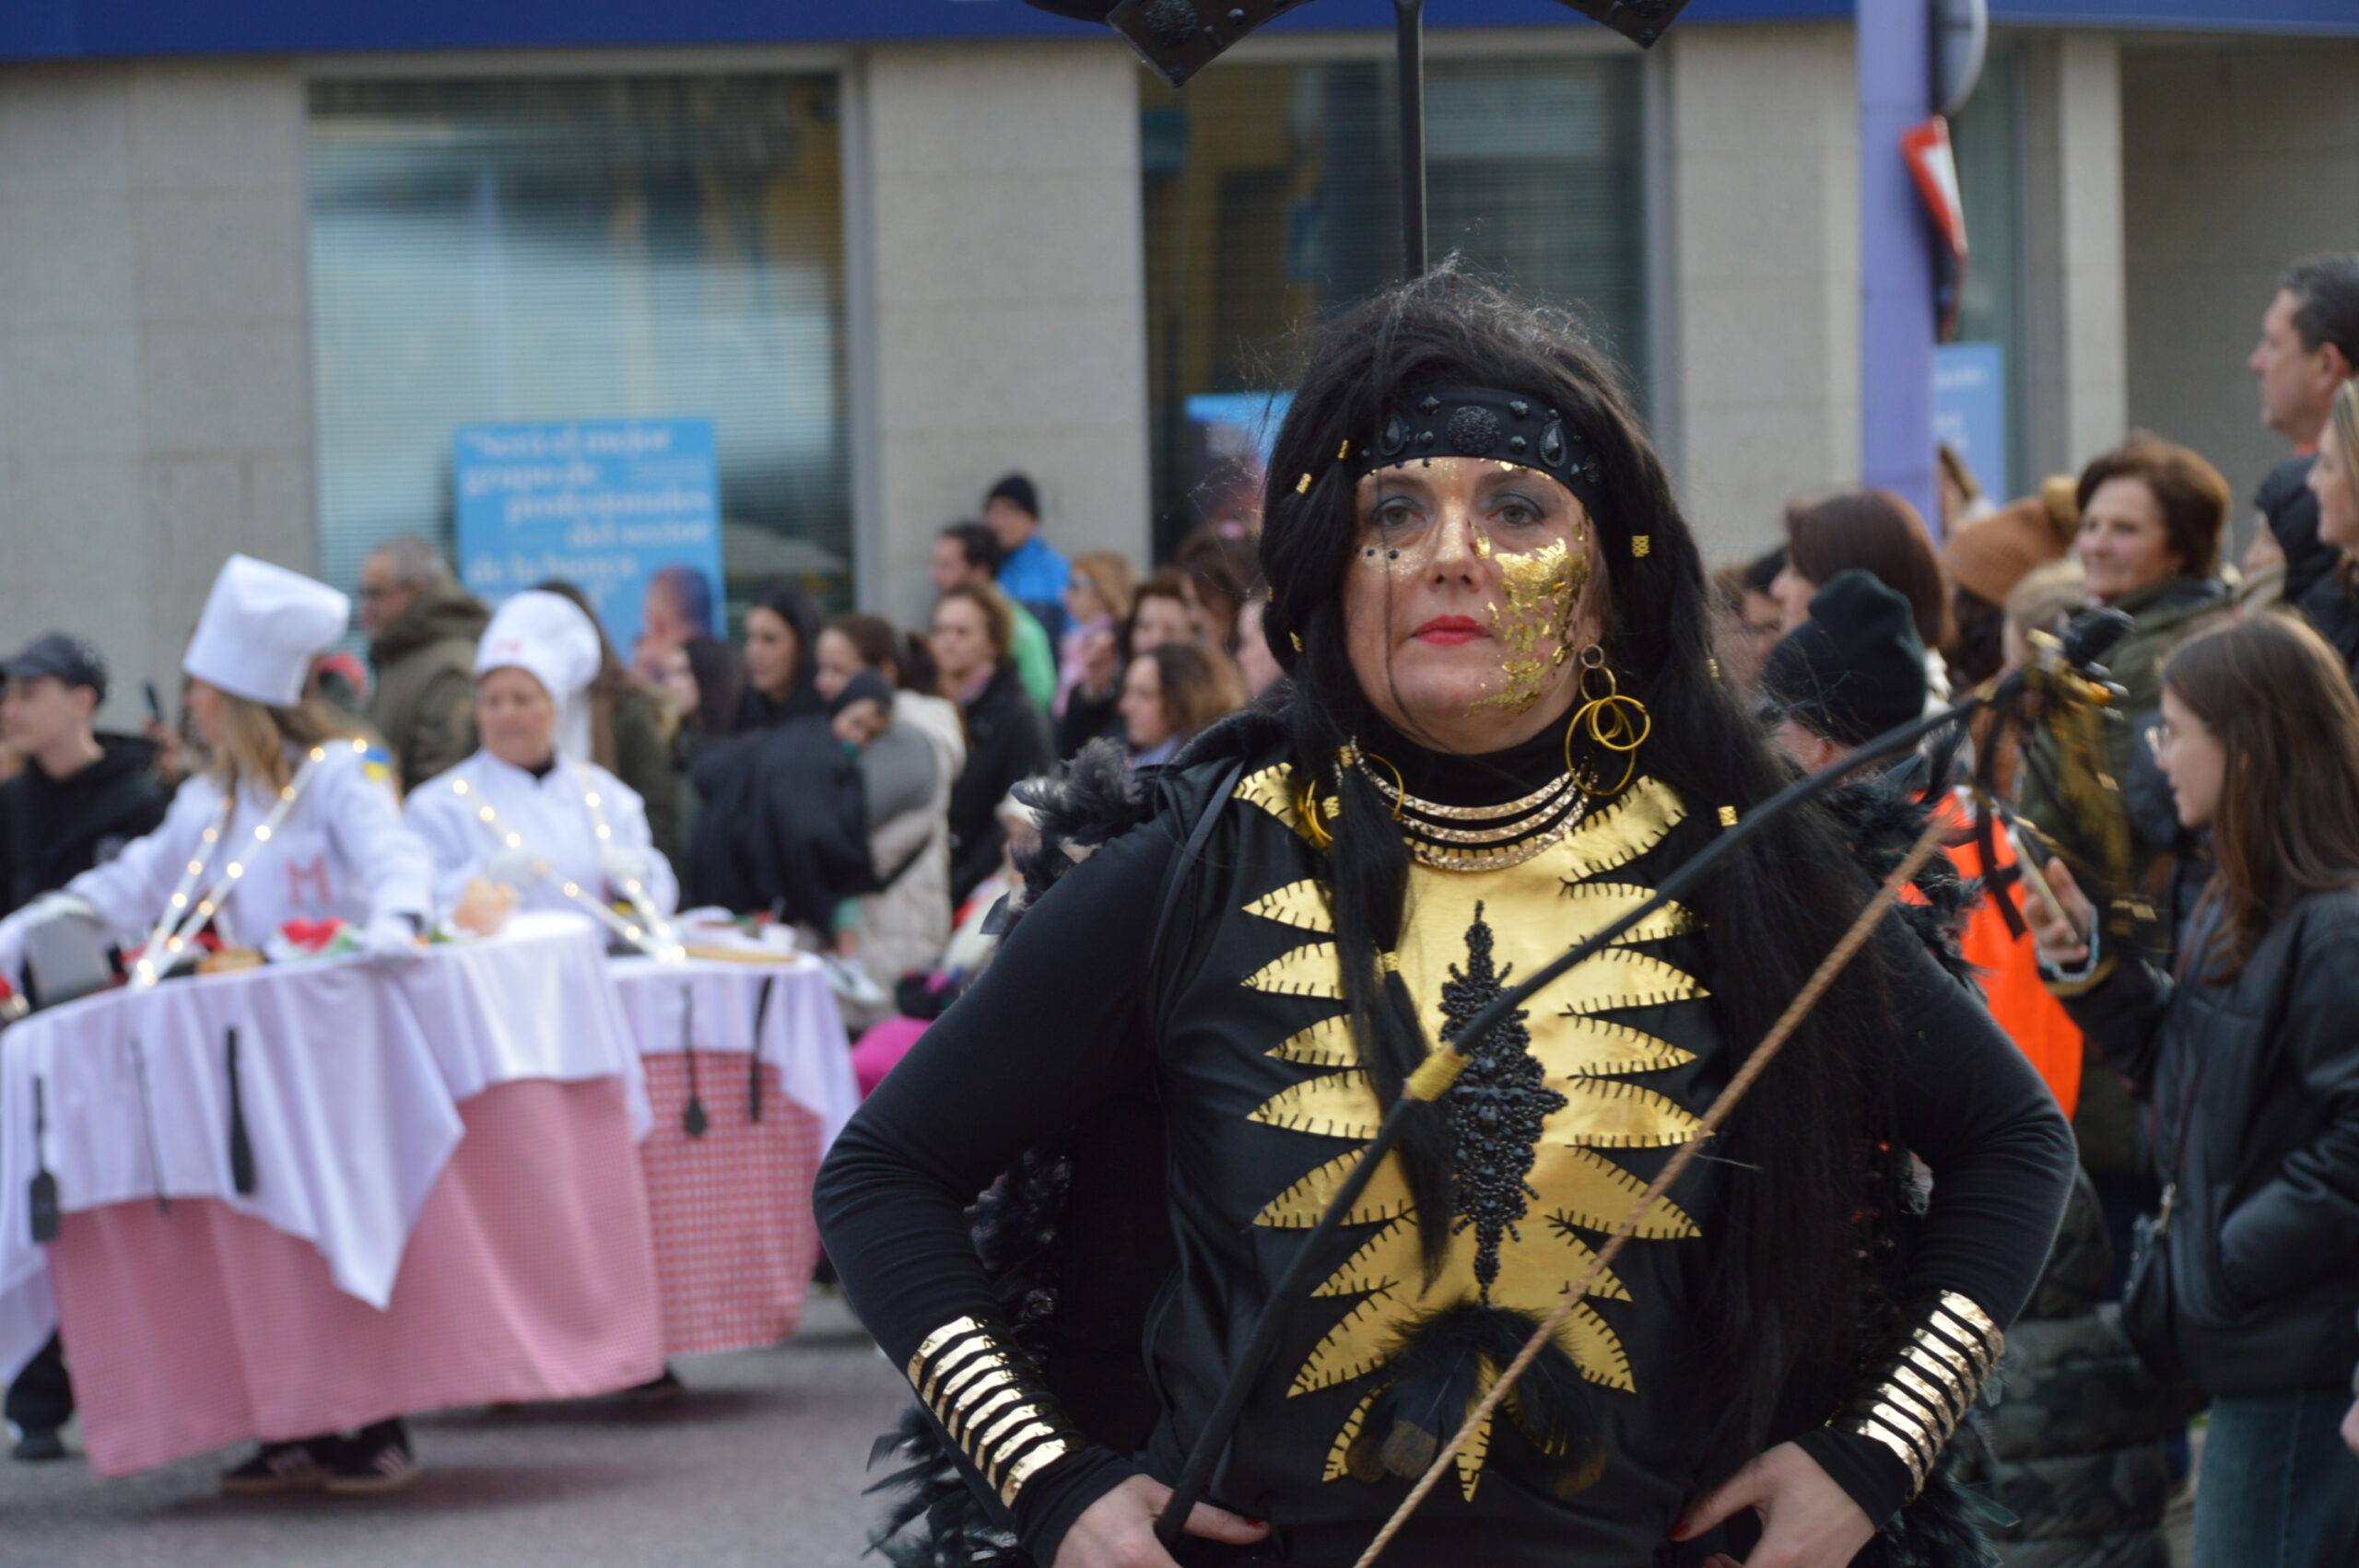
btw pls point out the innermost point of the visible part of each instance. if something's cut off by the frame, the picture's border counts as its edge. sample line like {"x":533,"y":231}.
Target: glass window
{"x":581,"y":249}
{"x":1273,"y":198}
{"x":1988,"y":138}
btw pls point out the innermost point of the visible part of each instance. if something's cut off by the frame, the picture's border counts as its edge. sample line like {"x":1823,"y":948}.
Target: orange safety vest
{"x":2009,"y":967}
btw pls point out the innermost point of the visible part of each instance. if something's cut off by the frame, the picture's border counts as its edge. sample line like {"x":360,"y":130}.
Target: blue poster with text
{"x":627,"y":510}
{"x":1970,"y":412}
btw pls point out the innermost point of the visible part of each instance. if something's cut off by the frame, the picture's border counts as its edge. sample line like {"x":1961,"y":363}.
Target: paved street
{"x":758,"y":1467}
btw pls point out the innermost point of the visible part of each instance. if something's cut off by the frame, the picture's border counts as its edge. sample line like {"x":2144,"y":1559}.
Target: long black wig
{"x":1788,"y":1270}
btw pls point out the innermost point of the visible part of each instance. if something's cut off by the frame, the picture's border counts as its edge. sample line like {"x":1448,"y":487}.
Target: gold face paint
{"x":1542,"y":589}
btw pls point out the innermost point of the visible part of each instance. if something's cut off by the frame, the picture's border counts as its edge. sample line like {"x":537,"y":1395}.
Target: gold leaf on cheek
{"x":1542,"y":587}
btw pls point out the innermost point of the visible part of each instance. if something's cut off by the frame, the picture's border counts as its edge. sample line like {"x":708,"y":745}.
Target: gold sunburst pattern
{"x":1518,"y":919}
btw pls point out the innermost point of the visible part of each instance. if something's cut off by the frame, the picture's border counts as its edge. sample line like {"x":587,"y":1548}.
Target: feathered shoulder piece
{"x":1098,"y":798}
{"x":1095,"y":798}
{"x":1881,"y":820}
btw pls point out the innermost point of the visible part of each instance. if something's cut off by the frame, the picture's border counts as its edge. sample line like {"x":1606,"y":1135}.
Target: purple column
{"x":1897,"y":324}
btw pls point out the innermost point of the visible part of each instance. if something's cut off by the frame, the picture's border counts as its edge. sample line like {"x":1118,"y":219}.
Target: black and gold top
{"x":1558,"y":1121}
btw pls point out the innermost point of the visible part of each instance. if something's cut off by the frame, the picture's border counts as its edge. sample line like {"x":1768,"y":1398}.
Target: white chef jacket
{"x":553,"y":816}
{"x":342,"y":853}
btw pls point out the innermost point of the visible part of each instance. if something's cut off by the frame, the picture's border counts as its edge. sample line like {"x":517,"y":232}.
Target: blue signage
{"x":1970,"y":411}
{"x":47,"y":30}
{"x":628,"y":510}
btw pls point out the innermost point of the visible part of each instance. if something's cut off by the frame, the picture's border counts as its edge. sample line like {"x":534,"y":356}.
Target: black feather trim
{"x":1094,"y":798}
{"x":1440,"y":1366}
{"x":1881,"y":825}
{"x":1943,"y":1529}
{"x":956,"y":1533}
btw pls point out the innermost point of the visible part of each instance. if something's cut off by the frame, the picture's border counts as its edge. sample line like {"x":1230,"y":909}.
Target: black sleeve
{"x":2001,"y":1155}
{"x":1051,"y":1029}
{"x":2121,"y":1016}
{"x":2304,"y":1221}
{"x":1973,"y":1108}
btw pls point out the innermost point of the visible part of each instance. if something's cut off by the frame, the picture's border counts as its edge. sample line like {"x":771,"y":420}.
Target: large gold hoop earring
{"x":1352,"y":757}
{"x":1614,"y":722}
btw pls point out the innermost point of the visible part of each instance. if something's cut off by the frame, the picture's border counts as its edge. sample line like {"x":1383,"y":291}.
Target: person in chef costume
{"x":298,"y":818}
{"x":530,"y":810}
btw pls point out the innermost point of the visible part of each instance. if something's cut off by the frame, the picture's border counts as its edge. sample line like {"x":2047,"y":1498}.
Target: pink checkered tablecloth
{"x":734,"y":1240}
{"x":528,"y":1277}
{"x":735,"y":1237}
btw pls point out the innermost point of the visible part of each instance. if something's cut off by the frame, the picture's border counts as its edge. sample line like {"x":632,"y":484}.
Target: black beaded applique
{"x":1496,"y":1108}
{"x":1481,"y":421}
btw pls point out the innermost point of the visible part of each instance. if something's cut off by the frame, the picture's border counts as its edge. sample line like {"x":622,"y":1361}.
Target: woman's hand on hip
{"x":1117,"y":1530}
{"x":1807,"y":1521}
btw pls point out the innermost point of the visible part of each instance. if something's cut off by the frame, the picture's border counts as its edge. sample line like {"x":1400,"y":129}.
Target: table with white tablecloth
{"x":442,"y":1207}
{"x":772,"y":1083}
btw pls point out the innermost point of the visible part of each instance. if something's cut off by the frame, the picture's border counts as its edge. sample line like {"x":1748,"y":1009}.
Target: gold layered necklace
{"x":1476,"y":838}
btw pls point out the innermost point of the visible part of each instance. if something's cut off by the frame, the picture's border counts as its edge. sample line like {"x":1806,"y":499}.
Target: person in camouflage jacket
{"x":2070,"y":1442}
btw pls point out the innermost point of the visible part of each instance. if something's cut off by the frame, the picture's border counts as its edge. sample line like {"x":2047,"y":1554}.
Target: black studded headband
{"x":1481,"y":421}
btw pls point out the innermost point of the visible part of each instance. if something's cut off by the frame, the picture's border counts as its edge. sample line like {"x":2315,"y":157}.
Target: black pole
{"x":1409,"y":34}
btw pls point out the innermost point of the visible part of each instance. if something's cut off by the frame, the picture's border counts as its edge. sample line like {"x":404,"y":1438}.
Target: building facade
{"x":255,"y":271}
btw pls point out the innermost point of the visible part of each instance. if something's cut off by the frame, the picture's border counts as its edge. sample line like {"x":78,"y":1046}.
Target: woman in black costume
{"x":1505,"y":728}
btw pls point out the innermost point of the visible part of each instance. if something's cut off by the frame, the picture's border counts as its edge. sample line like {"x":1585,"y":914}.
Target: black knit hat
{"x":1016,"y":488}
{"x":1852,"y":671}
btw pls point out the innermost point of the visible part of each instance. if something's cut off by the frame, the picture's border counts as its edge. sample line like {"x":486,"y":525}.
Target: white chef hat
{"x":261,"y":627}
{"x":548,"y":637}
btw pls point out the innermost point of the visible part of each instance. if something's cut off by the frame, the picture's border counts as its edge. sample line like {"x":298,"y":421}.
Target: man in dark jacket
{"x":2309,"y":346}
{"x":422,"y":631}
{"x":81,"y":798}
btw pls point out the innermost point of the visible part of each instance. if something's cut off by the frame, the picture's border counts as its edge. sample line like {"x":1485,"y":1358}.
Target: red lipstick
{"x":1449,"y":631}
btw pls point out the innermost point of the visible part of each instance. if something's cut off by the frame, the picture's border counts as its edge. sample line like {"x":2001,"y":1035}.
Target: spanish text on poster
{"x":629,"y":509}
